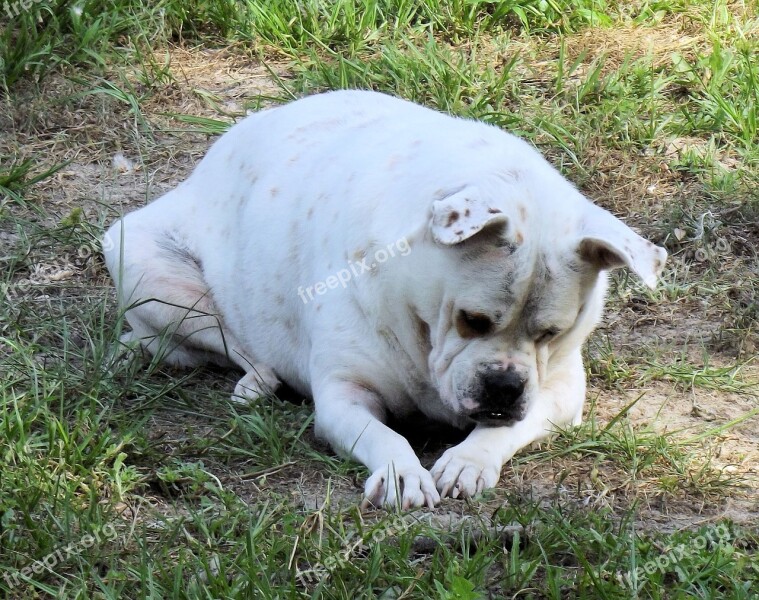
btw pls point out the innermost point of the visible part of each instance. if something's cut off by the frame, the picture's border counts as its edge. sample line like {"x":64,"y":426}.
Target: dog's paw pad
{"x":397,"y":486}
{"x":459,"y":475}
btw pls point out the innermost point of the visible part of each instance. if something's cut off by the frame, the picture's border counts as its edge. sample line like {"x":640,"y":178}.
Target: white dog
{"x":384,"y":258}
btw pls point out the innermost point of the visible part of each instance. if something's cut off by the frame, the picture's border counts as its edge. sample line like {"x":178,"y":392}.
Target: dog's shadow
{"x":428,"y":438}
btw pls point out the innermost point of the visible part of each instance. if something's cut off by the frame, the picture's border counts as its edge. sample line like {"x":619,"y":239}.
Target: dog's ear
{"x":608,"y":243}
{"x":463,"y":214}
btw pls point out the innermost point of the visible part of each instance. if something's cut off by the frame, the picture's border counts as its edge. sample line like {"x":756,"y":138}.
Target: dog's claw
{"x":400,"y":486}
{"x":459,"y":474}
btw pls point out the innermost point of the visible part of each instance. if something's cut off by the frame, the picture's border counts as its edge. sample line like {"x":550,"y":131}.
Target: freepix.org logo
{"x":53,"y":559}
{"x":342,"y":277}
{"x":14,"y":9}
{"x":353,"y":544}
{"x":668,"y":561}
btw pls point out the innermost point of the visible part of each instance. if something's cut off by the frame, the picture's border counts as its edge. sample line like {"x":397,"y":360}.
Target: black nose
{"x":502,"y":388}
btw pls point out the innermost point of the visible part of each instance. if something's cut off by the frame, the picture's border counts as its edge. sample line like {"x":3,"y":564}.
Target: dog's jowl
{"x":385,"y":259}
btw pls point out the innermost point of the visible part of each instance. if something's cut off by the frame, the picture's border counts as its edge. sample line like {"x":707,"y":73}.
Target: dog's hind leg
{"x":169,"y":305}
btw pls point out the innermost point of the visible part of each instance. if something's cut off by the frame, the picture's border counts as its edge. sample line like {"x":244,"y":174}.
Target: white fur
{"x":469,"y":219}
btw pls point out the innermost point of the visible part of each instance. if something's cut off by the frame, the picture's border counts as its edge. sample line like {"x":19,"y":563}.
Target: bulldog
{"x":385,"y":259}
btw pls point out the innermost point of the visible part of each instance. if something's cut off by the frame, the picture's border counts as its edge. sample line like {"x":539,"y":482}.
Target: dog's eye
{"x":547,"y":336}
{"x":472,"y":324}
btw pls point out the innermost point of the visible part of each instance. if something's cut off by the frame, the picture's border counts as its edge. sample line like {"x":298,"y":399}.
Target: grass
{"x":122,"y":480}
{"x":15,"y":178}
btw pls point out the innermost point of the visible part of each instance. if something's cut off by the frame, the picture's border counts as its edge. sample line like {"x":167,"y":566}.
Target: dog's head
{"x":524,"y":277}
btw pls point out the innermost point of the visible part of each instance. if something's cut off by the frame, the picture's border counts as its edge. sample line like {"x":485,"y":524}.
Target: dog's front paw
{"x":259,"y":381}
{"x":394,"y":485}
{"x":465,"y":471}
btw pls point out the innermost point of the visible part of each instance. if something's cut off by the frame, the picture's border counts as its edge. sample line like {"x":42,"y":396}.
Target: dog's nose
{"x":502,"y":388}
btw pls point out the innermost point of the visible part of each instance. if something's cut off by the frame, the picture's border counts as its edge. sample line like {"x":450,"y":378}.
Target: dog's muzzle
{"x":500,"y":397}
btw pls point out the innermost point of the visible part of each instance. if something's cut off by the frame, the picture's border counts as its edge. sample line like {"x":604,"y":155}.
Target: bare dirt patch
{"x":116,"y":157}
